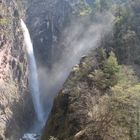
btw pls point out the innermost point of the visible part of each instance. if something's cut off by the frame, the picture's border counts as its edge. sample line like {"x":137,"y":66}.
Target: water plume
{"x":33,"y":75}
{"x":77,"y":40}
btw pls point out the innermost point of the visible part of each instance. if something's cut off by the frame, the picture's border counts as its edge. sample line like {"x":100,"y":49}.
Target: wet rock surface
{"x":46,"y":21}
{"x":14,"y":93}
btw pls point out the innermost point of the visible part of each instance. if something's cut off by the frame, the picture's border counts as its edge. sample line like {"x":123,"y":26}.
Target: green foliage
{"x":125,"y":37}
{"x":111,"y":65}
{"x":117,"y":115}
{"x":124,"y":104}
{"x":85,"y":11}
{"x":82,"y":9}
{"x":52,"y":138}
{"x":108,"y":73}
{"x":102,"y":5}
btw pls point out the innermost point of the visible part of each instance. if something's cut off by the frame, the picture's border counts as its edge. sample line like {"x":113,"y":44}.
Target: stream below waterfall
{"x":31,"y":136}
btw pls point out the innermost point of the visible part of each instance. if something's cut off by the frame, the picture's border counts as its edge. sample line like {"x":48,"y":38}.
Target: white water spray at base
{"x":33,"y":75}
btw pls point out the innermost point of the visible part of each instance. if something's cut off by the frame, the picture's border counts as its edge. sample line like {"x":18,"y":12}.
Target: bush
{"x":52,"y":138}
{"x":107,"y":75}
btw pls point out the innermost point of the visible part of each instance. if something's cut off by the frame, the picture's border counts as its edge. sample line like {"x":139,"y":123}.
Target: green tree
{"x":107,"y":75}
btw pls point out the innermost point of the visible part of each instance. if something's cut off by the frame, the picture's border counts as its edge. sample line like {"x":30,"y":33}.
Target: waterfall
{"x":33,"y":75}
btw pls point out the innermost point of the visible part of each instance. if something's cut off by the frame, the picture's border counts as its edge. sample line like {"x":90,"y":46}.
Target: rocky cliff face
{"x":15,"y":104}
{"x":46,"y":19}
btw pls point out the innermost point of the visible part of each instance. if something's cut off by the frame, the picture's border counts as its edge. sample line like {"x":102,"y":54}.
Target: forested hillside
{"x":70,"y":69}
{"x":101,"y":98}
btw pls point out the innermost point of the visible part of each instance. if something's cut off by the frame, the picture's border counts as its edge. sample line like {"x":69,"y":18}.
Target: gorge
{"x":60,"y":69}
{"x":69,"y":70}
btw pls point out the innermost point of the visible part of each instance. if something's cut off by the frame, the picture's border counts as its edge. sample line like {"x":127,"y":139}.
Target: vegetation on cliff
{"x":101,"y":98}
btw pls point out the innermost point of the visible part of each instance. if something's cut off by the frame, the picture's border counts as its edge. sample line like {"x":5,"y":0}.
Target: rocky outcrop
{"x":71,"y":112}
{"x":47,"y":21}
{"x":15,"y":103}
{"x":94,"y":106}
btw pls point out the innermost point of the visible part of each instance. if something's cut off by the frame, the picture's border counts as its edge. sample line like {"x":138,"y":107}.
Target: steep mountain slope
{"x":14,"y":94}
{"x":47,"y":20}
{"x":100,"y":99}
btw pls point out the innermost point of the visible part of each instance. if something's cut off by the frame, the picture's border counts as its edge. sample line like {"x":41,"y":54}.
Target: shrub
{"x":107,"y":75}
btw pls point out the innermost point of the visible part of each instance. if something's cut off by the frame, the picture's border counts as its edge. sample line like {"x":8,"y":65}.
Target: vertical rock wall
{"x":15,"y":105}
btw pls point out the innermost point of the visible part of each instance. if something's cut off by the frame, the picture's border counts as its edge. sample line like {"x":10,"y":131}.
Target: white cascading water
{"x":33,"y":75}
